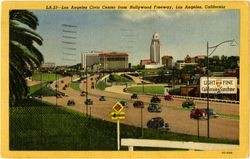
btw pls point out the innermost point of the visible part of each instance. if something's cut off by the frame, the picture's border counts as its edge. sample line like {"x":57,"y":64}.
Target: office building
{"x":155,"y":49}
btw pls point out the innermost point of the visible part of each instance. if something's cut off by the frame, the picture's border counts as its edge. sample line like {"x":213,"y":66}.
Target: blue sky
{"x":181,"y":32}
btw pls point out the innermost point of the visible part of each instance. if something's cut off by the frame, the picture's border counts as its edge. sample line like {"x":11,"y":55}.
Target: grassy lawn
{"x":75,"y":86}
{"x":147,"y":89}
{"x":34,"y":88}
{"x":35,"y":125}
{"x":45,"y":76}
{"x":117,"y":78}
{"x":37,"y":90}
{"x":101,"y":85}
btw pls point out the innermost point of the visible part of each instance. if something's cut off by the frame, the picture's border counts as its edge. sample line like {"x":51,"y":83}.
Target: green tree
{"x":23,"y":54}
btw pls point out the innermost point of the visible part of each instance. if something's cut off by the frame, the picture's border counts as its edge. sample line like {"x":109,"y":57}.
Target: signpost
{"x":118,"y":115}
{"x":218,"y":85}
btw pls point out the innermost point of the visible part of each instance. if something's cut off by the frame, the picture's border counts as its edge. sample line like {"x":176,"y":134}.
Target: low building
{"x":167,"y":61}
{"x":181,"y":65}
{"x":48,"y":65}
{"x":145,"y":62}
{"x":153,"y":66}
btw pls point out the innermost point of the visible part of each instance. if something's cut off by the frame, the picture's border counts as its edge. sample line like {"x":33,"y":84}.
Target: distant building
{"x":105,"y":60}
{"x":155,"y":49}
{"x":167,"y":61}
{"x":113,"y":60}
{"x":181,"y":65}
{"x":145,"y":61}
{"x":199,"y":57}
{"x":90,"y":59}
{"x":189,"y":59}
{"x":48,"y":65}
{"x":153,"y":66}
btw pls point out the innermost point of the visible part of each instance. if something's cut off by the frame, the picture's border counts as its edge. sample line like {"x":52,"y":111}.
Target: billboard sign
{"x":218,"y":85}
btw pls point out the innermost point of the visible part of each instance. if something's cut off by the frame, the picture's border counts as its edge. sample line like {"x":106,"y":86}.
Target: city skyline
{"x":182,"y":32}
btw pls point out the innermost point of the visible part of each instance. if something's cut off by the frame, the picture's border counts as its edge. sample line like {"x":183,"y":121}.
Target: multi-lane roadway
{"x":226,"y":126}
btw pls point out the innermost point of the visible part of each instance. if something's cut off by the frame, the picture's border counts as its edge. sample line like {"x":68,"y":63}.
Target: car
{"x":198,"y":114}
{"x":153,"y":107}
{"x":59,"y":95}
{"x":155,"y":99}
{"x":138,"y":104}
{"x":211,"y":113}
{"x":71,"y":102}
{"x":168,"y":97}
{"x":134,"y":96}
{"x":124,"y":103}
{"x":102,"y":98}
{"x":188,"y":103}
{"x":82,"y":93}
{"x":158,"y":123}
{"x":88,"y":101}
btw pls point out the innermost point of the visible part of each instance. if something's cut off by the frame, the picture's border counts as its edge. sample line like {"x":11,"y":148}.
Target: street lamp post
{"x":209,"y":54}
{"x":142,"y":86}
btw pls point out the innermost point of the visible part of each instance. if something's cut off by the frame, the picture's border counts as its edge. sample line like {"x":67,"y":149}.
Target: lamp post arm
{"x":215,"y":47}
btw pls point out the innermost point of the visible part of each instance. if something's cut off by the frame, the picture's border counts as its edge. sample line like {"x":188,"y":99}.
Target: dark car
{"x":102,"y":98}
{"x":158,"y":123}
{"x":198,"y":114}
{"x":155,"y":99}
{"x":71,"y":102}
{"x":134,"y":96}
{"x":88,"y":102}
{"x":168,"y":97}
{"x":153,"y":107}
{"x":124,"y":103}
{"x":188,"y":103}
{"x":82,"y":93}
{"x":138,"y":104}
{"x":211,"y":113}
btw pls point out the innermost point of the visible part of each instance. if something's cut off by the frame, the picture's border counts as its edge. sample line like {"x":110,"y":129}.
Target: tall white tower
{"x":155,"y":49}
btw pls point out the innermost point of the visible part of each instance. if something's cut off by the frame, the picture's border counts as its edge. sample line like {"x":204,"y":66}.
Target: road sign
{"x":118,"y":107}
{"x":117,"y":115}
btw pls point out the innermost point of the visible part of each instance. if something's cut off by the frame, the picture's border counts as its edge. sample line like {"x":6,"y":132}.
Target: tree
{"x":23,"y":55}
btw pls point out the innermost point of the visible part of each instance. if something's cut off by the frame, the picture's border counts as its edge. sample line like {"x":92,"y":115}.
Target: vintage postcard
{"x":124,"y":79}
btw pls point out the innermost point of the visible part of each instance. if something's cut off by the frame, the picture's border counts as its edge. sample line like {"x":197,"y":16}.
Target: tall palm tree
{"x":23,"y":54}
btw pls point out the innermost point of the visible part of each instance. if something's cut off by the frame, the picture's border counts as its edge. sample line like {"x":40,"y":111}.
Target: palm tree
{"x":23,"y":54}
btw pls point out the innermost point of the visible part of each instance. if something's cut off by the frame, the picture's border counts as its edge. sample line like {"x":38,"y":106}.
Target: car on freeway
{"x":154,"y":107}
{"x":198,"y":114}
{"x":88,"y":101}
{"x":188,"y":103}
{"x":124,"y":103}
{"x":158,"y":123}
{"x":82,"y":93}
{"x":211,"y":113}
{"x":138,"y":104}
{"x":168,"y":97}
{"x":155,"y":99}
{"x":71,"y":102}
{"x":102,"y":98}
{"x":134,"y":96}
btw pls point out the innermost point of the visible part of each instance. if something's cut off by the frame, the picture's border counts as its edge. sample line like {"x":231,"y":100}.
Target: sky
{"x":181,"y":32}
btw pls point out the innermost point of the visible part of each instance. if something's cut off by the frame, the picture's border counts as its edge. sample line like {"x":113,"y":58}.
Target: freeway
{"x":226,"y":126}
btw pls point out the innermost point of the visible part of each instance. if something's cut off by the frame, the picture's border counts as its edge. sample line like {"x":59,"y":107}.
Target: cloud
{"x":143,"y":15}
{"x":137,"y":16}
